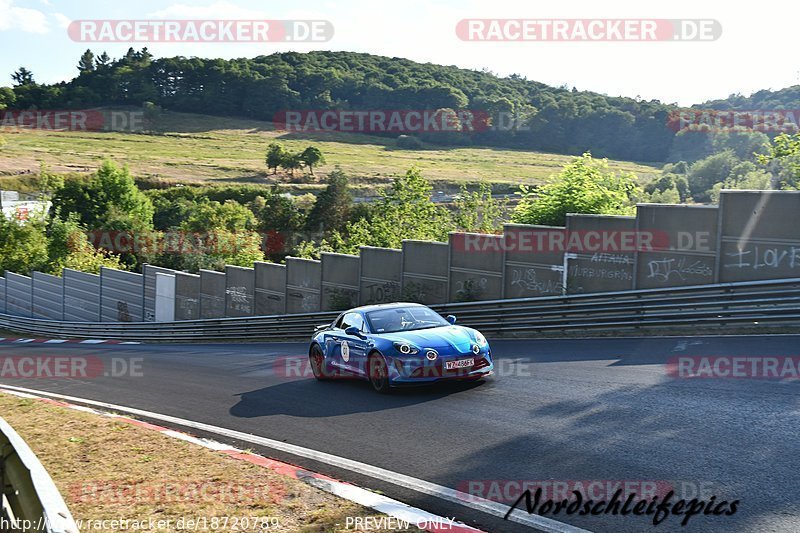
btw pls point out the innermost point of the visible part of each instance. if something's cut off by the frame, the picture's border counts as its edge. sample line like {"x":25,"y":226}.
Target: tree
{"x":7,"y":97}
{"x":405,"y":211}
{"x":22,"y":77}
{"x":478,"y":211}
{"x":86,"y":62}
{"x":703,"y":174}
{"x":782,"y":160}
{"x":23,"y":245}
{"x":585,"y":185}
{"x":744,"y":144}
{"x":49,"y":183}
{"x":207,"y":215}
{"x":670,"y":188}
{"x":102,"y":60}
{"x":108,"y":201}
{"x":216,"y":234}
{"x":69,"y":247}
{"x":276,"y":155}
{"x":331,"y":211}
{"x":312,"y":157}
{"x":292,"y":161}
{"x":753,"y":180}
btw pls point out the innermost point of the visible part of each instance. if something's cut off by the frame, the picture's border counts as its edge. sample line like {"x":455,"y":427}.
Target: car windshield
{"x":404,"y":319}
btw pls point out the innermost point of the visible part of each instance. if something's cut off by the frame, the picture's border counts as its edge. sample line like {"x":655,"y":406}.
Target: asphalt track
{"x":560,"y":410}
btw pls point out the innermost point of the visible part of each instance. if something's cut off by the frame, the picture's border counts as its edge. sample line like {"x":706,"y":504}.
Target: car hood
{"x":442,"y":339}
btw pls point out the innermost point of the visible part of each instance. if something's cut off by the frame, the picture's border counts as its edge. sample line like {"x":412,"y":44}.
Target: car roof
{"x":376,"y":307}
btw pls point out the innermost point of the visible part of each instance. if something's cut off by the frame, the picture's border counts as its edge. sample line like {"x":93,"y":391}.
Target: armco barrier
{"x":755,"y":303}
{"x":29,"y":492}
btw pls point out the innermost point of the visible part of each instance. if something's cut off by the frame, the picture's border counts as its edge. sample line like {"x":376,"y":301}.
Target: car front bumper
{"x":416,"y":371}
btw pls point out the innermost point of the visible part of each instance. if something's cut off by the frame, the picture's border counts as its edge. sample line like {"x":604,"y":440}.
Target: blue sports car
{"x":398,"y":344}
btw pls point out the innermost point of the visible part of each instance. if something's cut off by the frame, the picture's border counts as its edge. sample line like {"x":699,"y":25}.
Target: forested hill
{"x":548,"y":118}
{"x":788,"y":98}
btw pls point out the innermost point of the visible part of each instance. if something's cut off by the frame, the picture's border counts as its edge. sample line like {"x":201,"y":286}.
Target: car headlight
{"x":480,"y":339}
{"x":406,"y":348}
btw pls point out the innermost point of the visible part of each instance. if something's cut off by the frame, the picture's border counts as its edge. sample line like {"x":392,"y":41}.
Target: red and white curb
{"x":63,"y":341}
{"x":403,"y":512}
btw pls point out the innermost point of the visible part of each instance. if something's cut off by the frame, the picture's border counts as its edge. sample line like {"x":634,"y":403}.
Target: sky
{"x":756,"y":49}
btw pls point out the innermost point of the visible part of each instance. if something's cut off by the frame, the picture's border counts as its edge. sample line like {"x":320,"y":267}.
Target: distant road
{"x":593,"y":409}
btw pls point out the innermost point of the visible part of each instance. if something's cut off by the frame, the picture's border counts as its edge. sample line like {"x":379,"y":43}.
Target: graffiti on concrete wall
{"x":671,"y":269}
{"x":756,"y":257}
{"x":524,"y":281}
{"x":239,"y":299}
{"x":470,"y":290}
{"x":380,"y":293}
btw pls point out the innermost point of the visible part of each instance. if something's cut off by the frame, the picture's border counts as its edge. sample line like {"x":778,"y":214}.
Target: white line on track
{"x":401,"y":480}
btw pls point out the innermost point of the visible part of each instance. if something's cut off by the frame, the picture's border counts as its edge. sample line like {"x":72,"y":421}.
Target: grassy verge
{"x":108,"y":470}
{"x":203,"y":149}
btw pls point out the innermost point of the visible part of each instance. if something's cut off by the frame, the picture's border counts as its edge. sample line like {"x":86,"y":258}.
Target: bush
{"x":585,"y":186}
{"x":409,"y":142}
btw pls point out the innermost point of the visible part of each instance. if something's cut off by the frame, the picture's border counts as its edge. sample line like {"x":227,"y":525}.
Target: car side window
{"x":339,"y":322}
{"x":353,"y":320}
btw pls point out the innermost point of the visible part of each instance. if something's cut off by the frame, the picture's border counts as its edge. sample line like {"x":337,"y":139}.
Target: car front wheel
{"x":378,"y":373}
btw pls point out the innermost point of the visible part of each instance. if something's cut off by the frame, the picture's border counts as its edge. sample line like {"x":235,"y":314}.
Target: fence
{"x":758,"y":303}
{"x":752,"y":235}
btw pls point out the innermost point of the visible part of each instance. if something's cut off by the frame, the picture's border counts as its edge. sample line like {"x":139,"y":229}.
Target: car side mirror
{"x":451,"y":319}
{"x":354,"y":331}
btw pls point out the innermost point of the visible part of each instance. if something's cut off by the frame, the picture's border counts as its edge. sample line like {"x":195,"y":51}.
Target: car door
{"x":355,"y":347}
{"x":347,"y":351}
{"x":333,"y":341}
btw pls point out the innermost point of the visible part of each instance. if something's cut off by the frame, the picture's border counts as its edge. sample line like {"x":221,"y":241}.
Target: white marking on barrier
{"x":55,"y":341}
{"x":93,"y":341}
{"x":401,"y":480}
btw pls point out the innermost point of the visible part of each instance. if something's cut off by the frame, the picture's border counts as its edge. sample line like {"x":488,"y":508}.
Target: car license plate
{"x":461,"y":363}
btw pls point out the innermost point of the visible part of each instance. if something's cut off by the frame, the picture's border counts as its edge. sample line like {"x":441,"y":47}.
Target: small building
{"x":22,"y":207}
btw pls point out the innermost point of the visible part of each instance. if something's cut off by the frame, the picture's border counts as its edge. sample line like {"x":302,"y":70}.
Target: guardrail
{"x":29,"y":500}
{"x":756,"y":303}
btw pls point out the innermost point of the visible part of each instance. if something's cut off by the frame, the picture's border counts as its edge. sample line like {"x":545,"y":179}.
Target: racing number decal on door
{"x":345,"y":351}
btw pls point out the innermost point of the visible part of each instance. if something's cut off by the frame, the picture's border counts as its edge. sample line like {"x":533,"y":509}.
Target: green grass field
{"x":205,"y":149}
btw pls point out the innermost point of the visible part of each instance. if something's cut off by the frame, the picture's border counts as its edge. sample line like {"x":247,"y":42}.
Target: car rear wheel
{"x":317,"y":361}
{"x":378,"y":373}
